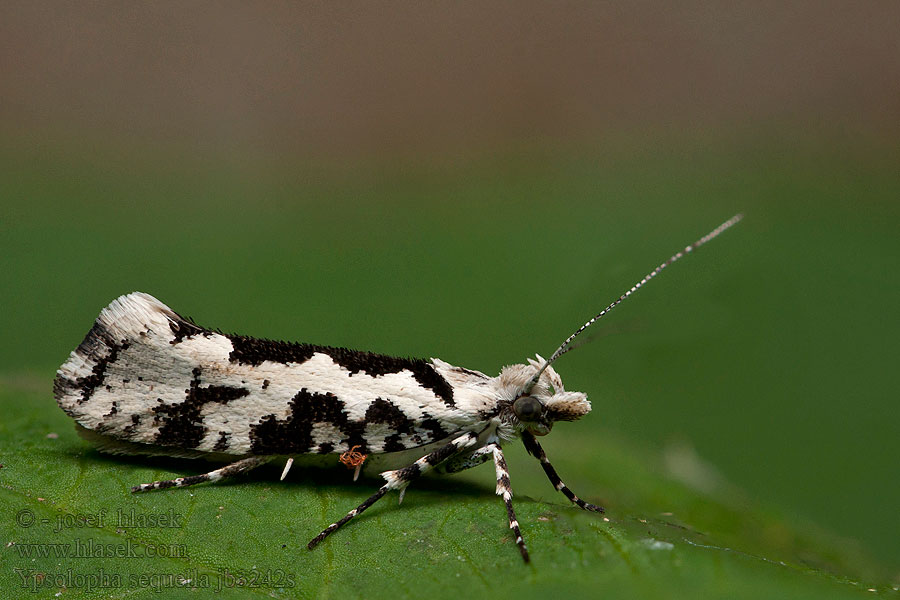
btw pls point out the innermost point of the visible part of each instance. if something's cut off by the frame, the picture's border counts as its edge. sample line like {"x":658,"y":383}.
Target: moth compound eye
{"x":527,"y":408}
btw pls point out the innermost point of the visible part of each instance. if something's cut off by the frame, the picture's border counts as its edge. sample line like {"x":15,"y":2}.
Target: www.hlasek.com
{"x":88,"y":548}
{"x":34,"y":580}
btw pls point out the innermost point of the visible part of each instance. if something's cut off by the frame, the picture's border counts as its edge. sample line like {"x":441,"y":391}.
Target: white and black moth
{"x":148,"y":381}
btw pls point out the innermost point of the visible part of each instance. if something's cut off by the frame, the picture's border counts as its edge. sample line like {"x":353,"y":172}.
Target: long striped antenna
{"x":565,"y":347}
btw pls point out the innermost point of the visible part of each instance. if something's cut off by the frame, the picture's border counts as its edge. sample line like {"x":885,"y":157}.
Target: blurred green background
{"x":472,"y":183}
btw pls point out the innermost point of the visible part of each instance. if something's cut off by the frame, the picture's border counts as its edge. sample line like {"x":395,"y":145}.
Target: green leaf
{"x":675,"y":531}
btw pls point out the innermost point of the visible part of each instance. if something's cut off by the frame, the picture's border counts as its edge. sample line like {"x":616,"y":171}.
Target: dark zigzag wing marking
{"x":97,"y":347}
{"x":253,"y":351}
{"x":222,"y":442}
{"x":182,"y":424}
{"x":294,"y":435}
{"x":88,"y":384}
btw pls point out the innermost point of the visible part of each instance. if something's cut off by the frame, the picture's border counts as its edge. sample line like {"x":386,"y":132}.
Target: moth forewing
{"x":147,"y":381}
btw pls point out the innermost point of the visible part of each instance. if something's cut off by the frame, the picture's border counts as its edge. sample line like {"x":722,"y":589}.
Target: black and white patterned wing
{"x":145,"y":375}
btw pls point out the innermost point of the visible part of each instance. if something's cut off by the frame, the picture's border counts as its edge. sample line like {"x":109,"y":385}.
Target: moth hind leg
{"x":230,"y":470}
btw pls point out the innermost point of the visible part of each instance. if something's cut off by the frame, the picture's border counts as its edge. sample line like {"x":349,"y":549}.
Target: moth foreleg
{"x":505,"y":490}
{"x":399,"y":479}
{"x":534,"y":449}
{"x":235,"y":468}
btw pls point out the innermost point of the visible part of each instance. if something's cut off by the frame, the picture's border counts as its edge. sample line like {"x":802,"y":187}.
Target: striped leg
{"x":534,"y":449}
{"x":235,"y":468}
{"x":504,"y":489}
{"x":467,"y":460}
{"x":399,"y":479}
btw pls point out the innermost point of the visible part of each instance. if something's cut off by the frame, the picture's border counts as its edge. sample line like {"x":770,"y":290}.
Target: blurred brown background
{"x":333,"y":80}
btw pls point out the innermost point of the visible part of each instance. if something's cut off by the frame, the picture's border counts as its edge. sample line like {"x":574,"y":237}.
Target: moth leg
{"x":287,"y":467}
{"x":235,"y":468}
{"x":504,"y":489}
{"x":534,"y":449}
{"x":399,"y":479}
{"x":466,"y":460}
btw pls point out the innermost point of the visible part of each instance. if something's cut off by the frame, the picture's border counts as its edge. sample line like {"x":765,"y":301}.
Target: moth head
{"x":546,"y":402}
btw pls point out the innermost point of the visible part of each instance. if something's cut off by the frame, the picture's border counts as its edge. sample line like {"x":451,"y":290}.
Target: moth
{"x":146,"y":380}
